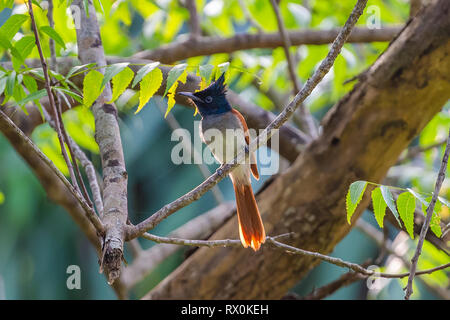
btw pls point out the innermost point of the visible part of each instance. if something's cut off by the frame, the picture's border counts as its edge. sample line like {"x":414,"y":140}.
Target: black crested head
{"x":217,"y":88}
{"x":211,"y":100}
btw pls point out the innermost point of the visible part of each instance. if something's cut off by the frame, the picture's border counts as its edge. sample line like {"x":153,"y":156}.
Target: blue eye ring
{"x":208,"y":99}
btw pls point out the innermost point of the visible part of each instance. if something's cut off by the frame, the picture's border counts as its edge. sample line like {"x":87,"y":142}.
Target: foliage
{"x":404,"y":207}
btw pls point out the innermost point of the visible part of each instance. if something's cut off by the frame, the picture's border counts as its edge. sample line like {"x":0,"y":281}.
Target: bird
{"x":219,"y":117}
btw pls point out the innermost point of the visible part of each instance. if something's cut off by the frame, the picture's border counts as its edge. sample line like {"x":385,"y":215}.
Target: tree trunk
{"x":363,"y":136}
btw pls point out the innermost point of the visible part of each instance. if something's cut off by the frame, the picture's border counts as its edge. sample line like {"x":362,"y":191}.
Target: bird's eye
{"x":208,"y":99}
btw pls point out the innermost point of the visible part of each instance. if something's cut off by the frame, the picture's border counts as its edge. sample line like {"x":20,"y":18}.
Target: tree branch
{"x":426,"y":225}
{"x":59,"y":127}
{"x":306,"y":120}
{"x":31,"y":153}
{"x":211,"y":45}
{"x":87,"y":165}
{"x":194,"y":19}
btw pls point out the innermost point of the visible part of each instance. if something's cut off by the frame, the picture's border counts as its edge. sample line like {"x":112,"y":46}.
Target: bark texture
{"x":107,"y":135}
{"x":363,"y":136}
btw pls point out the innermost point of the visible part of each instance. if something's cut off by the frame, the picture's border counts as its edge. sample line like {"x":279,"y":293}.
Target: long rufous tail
{"x":251,"y":229}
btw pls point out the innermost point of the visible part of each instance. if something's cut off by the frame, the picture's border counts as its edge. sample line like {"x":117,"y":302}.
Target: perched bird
{"x":225,"y":132}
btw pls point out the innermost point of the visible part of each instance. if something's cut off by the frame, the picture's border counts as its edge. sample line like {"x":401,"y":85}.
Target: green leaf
{"x":112,"y":70}
{"x":406,"y":204}
{"x":36,"y":2}
{"x":387,"y":196}
{"x":2,"y":198}
{"x":173,"y":76}
{"x":354,"y":196}
{"x":435,"y":222}
{"x":30,"y":83}
{"x":149,"y":85}
{"x":4,"y":42}
{"x":418,"y":197}
{"x":25,"y":45}
{"x":205,"y":72}
{"x":171,"y":98}
{"x":379,"y":206}
{"x":34,"y":96}
{"x":75,"y":70}
{"x":9,"y":29}
{"x":120,"y":83}
{"x":54,"y":35}
{"x":92,"y":87}
{"x":444,"y":201}
{"x":6,"y":4}
{"x":71,"y":94}
{"x":143,"y":72}
{"x":10,"y":82}
{"x":2,"y":84}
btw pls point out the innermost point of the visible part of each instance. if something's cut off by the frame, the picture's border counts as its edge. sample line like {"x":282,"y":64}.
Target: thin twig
{"x":194,"y":19}
{"x":288,"y":249}
{"x":394,"y":249}
{"x":200,"y":227}
{"x":353,"y":266}
{"x":89,"y":168}
{"x":306,"y":120}
{"x":50,"y":96}
{"x":425,"y":226}
{"x":262,"y":139}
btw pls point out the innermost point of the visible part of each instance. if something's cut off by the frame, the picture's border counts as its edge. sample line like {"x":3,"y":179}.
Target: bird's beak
{"x":190,"y":95}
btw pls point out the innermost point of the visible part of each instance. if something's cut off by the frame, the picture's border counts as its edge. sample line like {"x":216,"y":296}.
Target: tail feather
{"x":251,"y":229}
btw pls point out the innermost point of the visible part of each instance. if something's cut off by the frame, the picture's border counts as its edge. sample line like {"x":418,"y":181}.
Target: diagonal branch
{"x":306,"y":120}
{"x":13,"y":133}
{"x":87,"y":165}
{"x":57,"y":118}
{"x":200,"y":227}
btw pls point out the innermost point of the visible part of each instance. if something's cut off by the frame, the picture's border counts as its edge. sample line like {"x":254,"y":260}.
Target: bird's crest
{"x":218,"y":87}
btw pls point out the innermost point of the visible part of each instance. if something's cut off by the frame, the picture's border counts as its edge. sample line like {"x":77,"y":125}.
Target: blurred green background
{"x":38,"y":239}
